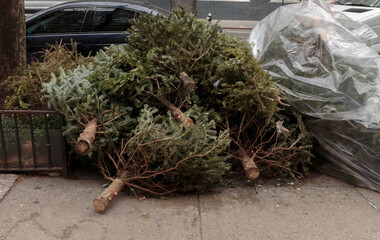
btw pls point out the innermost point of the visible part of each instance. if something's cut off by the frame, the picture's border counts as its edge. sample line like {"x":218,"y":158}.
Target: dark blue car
{"x":91,"y":24}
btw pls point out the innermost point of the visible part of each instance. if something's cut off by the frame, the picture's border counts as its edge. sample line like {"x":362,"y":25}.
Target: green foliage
{"x":38,"y":121}
{"x":79,"y":101}
{"x":128,"y":88}
{"x":291,"y":150}
{"x":120,"y":74}
{"x":24,"y":89}
{"x":178,"y":43}
{"x":238,"y":83}
{"x":160,"y":48}
{"x":164,"y":151}
{"x":157,"y":51}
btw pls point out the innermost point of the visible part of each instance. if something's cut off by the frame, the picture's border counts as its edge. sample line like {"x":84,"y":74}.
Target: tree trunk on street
{"x":104,"y":199}
{"x":12,"y":40}
{"x":250,"y":168}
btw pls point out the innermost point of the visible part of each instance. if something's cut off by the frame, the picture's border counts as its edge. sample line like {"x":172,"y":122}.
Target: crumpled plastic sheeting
{"x":353,"y":150}
{"x":322,"y":61}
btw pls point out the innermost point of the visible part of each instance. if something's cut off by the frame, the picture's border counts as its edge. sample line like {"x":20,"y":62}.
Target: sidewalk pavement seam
{"x":15,"y":182}
{"x":368,"y":201}
{"x":199,"y":216}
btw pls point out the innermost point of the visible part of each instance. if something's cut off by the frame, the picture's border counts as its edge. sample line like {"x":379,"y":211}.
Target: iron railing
{"x":28,"y":142}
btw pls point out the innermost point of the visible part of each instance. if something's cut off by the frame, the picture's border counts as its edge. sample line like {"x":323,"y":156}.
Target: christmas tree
{"x":173,"y":108}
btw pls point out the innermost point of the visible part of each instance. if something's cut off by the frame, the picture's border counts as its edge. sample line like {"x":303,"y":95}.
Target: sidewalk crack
{"x":199,"y":216}
{"x":15,"y":182}
{"x":368,"y":201}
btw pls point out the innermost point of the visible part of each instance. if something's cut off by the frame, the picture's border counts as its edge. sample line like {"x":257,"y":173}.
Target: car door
{"x":110,"y":26}
{"x":62,"y":25}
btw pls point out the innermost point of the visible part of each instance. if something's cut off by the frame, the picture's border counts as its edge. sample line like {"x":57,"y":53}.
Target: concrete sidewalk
{"x":321,"y":207}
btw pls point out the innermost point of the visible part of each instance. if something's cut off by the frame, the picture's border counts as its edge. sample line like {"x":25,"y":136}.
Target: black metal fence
{"x":32,"y":140}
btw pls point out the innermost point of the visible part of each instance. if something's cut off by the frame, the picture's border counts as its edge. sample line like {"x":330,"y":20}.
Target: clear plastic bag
{"x":322,"y":61}
{"x":352,"y":149}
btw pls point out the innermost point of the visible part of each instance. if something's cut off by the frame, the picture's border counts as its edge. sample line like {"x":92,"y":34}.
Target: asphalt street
{"x":247,"y":10}
{"x":236,"y":17}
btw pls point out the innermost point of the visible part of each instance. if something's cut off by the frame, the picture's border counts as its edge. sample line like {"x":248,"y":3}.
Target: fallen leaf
{"x":146,"y":216}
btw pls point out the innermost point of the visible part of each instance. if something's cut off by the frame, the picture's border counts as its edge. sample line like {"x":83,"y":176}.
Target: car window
{"x":112,"y":19}
{"x":366,"y":3}
{"x":61,"y":21}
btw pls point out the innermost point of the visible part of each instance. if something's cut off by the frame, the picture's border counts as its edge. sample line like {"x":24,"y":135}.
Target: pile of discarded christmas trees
{"x":178,"y":108}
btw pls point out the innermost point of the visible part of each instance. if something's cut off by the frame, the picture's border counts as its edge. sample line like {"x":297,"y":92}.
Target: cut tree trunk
{"x":103,"y":200}
{"x":179,"y":115}
{"x":187,"y":82}
{"x":250,"y":168}
{"x":86,"y":138}
{"x":323,"y":52}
